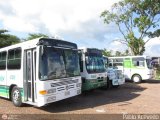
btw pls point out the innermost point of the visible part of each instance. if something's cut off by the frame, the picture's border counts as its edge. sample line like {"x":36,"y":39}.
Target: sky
{"x":77,"y":21}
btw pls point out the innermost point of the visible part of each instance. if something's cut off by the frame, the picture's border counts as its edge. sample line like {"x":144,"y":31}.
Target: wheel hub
{"x":16,"y":95}
{"x":136,"y":79}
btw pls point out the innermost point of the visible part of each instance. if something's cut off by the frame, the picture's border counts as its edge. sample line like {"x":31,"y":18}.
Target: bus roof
{"x":33,"y":43}
{"x":132,"y":56}
{"x":26,"y":44}
{"x":85,"y":49}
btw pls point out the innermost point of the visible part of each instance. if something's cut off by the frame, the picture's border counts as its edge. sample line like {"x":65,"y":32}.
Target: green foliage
{"x":118,"y":53}
{"x":126,"y":53}
{"x":36,"y":35}
{"x":107,"y":53}
{"x":7,"y":39}
{"x":133,"y":16}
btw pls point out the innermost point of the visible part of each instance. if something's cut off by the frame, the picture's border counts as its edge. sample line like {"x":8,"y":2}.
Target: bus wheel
{"x":16,"y":96}
{"x":115,"y":86}
{"x":136,"y":78}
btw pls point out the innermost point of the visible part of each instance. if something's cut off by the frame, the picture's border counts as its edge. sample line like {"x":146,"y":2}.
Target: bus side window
{"x":141,"y":63}
{"x":14,"y":59}
{"x":3,"y":60}
{"x":134,"y":63}
{"x":138,"y":63}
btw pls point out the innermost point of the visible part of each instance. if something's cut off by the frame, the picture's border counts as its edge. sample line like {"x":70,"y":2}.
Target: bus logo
{"x":12,"y":77}
{"x":1,"y":78}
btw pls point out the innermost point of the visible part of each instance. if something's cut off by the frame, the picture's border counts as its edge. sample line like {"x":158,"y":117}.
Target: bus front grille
{"x":64,"y":83}
{"x":67,"y":87}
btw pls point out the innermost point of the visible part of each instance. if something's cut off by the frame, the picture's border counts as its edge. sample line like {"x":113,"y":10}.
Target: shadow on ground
{"x":96,"y":98}
{"x":151,"y":81}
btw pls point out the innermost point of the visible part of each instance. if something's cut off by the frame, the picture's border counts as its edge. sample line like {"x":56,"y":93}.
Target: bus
{"x":135,"y":68}
{"x":115,"y":77}
{"x":92,"y":69}
{"x":39,"y":71}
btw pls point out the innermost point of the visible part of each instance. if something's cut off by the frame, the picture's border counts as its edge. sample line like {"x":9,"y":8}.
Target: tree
{"x":118,"y":53}
{"x":126,"y":52}
{"x":36,"y":35}
{"x":136,"y":20}
{"x":7,"y":39}
{"x":107,"y":53}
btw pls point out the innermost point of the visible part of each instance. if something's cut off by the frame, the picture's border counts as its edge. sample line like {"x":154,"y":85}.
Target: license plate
{"x":67,"y":93}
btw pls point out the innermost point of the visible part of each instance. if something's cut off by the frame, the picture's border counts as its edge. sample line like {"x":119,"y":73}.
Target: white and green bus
{"x":92,"y":68}
{"x":136,"y":68}
{"x":39,"y":71}
{"x":115,"y":77}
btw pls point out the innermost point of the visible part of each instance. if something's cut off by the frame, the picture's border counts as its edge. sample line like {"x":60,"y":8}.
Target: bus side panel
{"x":15,"y":77}
{"x":3,"y":88}
{"x":127,"y":69}
{"x":143,"y":72}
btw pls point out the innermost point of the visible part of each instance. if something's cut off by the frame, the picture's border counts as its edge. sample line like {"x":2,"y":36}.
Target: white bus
{"x":136,"y":68}
{"x":115,"y":77}
{"x":92,"y":68}
{"x":39,"y":71}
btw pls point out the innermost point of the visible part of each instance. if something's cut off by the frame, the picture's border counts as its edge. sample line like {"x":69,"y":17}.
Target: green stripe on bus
{"x":4,"y":90}
{"x":4,"y":94}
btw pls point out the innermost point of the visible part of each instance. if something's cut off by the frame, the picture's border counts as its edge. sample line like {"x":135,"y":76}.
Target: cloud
{"x":55,"y":15}
{"x":73,"y":20}
{"x":153,"y":47}
{"x":117,"y":46}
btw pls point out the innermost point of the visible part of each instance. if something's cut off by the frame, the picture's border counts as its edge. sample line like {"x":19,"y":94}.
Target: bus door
{"x":127,"y":68}
{"x":30,"y":75}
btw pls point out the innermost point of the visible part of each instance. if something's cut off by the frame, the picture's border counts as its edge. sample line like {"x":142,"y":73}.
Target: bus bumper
{"x":118,"y":81}
{"x":89,"y":84}
{"x":46,"y":99}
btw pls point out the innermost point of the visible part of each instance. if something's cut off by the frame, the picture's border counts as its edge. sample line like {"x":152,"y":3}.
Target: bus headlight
{"x":51,"y":91}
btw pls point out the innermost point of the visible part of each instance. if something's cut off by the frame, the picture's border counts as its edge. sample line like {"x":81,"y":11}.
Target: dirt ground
{"x":129,"y":98}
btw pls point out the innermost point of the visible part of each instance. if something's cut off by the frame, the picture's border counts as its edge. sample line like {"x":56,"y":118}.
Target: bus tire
{"x":115,"y":86}
{"x":137,"y":79}
{"x":16,"y":96}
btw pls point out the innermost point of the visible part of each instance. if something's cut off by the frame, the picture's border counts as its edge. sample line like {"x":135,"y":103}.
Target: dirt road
{"x":127,"y":99}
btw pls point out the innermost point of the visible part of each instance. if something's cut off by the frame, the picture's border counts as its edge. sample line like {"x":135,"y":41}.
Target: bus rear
{"x":115,"y":76}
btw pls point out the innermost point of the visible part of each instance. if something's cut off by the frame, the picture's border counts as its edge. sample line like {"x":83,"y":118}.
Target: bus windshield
{"x":95,"y":63}
{"x":149,"y":65}
{"x":58,"y":63}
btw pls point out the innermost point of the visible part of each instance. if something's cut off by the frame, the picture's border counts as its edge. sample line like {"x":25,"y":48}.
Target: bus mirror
{"x":42,"y":50}
{"x":106,"y":65}
{"x":110,"y":65}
